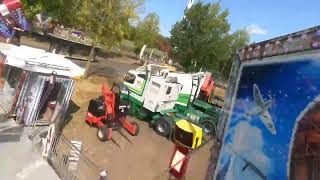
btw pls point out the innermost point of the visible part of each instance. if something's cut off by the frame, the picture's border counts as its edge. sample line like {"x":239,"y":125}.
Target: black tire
{"x":208,"y":127}
{"x":137,"y":130}
{"x":103,"y":133}
{"x":162,"y":127}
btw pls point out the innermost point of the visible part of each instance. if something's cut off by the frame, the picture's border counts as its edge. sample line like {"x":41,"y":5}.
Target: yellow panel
{"x":188,"y":126}
{"x":191,"y":128}
{"x":170,"y":68}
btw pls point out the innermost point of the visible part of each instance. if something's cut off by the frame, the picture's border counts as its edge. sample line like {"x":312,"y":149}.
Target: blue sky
{"x":265,"y":19}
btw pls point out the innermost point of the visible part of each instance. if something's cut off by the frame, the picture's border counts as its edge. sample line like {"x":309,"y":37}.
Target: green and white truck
{"x":164,"y":97}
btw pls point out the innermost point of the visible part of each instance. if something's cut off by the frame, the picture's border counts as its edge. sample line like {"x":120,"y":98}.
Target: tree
{"x":60,"y":10}
{"x":163,"y":44}
{"x":105,"y":22}
{"x":240,"y":38}
{"x":202,"y":38}
{"x":146,"y":31}
{"x":31,"y":8}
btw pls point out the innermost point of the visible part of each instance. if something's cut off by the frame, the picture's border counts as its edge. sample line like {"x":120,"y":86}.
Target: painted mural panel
{"x":270,"y":98}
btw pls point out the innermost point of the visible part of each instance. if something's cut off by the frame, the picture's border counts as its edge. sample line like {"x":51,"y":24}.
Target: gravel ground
{"x":146,"y":158}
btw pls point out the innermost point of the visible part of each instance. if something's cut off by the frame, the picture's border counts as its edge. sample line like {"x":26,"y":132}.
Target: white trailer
{"x":156,"y":89}
{"x":151,"y":88}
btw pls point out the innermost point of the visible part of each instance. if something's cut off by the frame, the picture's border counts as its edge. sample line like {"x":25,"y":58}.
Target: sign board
{"x":269,"y":99}
{"x":179,"y":161}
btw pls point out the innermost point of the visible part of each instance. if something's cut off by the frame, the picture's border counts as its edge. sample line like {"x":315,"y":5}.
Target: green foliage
{"x":240,"y":38}
{"x":146,"y":31}
{"x":59,"y":10}
{"x":202,"y":36}
{"x":106,"y":22}
{"x":127,"y":45}
{"x":31,"y":8}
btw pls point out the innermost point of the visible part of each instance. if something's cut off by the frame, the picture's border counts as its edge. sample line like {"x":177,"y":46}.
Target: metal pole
{"x":189,"y":4}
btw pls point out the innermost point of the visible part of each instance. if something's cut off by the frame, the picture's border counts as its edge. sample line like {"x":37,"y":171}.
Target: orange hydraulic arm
{"x":109,"y":100}
{"x":208,"y":85}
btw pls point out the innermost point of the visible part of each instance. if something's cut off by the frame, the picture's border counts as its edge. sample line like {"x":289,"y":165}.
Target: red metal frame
{"x":2,"y":66}
{"x":18,"y":90}
{"x":109,"y":101}
{"x":13,"y":4}
{"x":111,"y":114}
{"x":208,"y":85}
{"x":131,"y":128}
{"x":179,"y":173}
{"x":93,"y":120}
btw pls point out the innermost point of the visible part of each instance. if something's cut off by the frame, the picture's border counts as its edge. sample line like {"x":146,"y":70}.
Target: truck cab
{"x":135,"y":81}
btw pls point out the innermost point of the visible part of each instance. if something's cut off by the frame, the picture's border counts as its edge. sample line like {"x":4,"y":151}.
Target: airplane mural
{"x":269,"y":99}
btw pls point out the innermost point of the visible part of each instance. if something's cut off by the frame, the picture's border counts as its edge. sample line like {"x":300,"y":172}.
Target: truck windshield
{"x":130,"y":78}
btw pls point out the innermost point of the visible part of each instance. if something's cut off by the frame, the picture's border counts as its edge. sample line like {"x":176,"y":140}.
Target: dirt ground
{"x":148,"y":156}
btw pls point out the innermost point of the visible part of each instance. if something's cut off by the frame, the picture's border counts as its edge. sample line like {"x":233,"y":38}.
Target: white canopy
{"x":37,"y":60}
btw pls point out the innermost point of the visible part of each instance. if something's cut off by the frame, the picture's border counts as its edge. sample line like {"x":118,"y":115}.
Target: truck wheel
{"x":208,"y":127}
{"x":103,"y":134}
{"x":162,"y":127}
{"x":137,"y":128}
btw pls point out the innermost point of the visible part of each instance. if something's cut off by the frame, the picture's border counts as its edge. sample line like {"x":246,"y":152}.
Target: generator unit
{"x":161,"y":94}
{"x":187,"y":134}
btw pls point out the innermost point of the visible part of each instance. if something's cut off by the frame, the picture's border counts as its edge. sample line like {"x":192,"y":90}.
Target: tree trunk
{"x":224,"y":65}
{"x":91,"y":58}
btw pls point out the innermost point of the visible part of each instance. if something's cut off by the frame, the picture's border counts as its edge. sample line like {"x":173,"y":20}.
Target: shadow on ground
{"x":9,"y":132}
{"x":72,"y":109}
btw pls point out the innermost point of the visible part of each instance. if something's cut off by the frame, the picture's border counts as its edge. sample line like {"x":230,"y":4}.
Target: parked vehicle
{"x":158,"y":95}
{"x":108,"y":114}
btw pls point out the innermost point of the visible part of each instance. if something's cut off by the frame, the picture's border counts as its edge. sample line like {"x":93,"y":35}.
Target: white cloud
{"x":254,"y":29}
{"x":248,"y":143}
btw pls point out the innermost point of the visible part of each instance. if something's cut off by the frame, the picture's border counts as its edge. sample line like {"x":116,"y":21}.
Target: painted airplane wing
{"x":257,"y":96}
{"x":267,"y":104}
{"x":267,"y":121}
{"x":257,"y":110}
{"x":247,"y":164}
{"x":255,"y":169}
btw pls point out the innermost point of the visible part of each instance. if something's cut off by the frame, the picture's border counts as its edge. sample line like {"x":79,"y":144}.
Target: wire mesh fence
{"x":69,"y":162}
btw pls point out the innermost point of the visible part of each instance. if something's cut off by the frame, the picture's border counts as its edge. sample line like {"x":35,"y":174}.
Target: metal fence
{"x":69,"y":162}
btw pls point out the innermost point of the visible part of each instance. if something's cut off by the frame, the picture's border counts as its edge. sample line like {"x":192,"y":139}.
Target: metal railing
{"x":69,"y":162}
